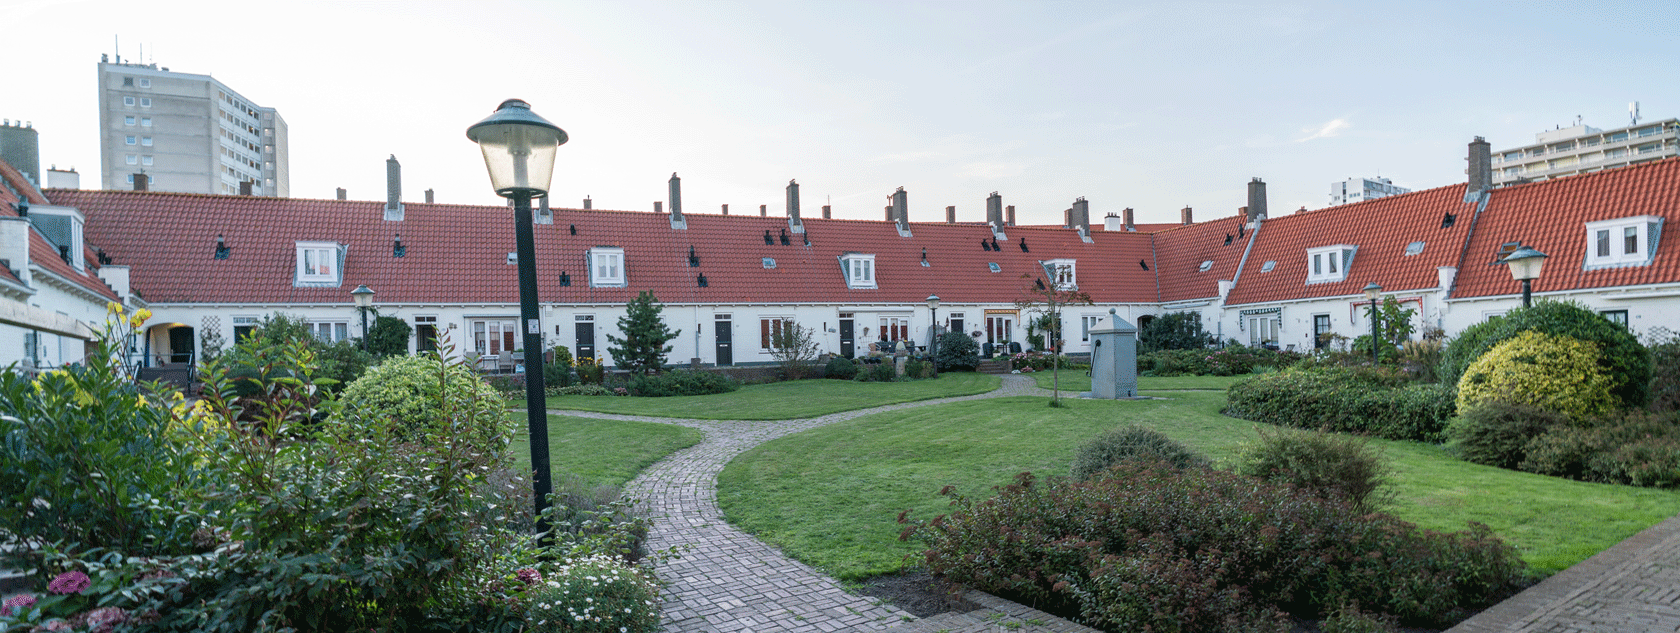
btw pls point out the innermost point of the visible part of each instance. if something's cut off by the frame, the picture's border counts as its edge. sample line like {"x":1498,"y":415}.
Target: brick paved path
{"x":729,"y":581}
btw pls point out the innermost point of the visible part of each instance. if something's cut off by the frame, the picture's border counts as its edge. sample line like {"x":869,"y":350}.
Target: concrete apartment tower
{"x":187,"y":133}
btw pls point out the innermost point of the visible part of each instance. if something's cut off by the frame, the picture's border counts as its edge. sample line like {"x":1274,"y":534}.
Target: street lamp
{"x":1525,"y":266}
{"x":364,"y":300}
{"x":519,"y":149}
{"x":933,"y":332}
{"x":1372,"y":291}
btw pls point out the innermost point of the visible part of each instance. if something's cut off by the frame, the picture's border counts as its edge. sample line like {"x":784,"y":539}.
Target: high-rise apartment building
{"x":186,"y":133}
{"x":1582,"y":148}
{"x":1361,"y":189}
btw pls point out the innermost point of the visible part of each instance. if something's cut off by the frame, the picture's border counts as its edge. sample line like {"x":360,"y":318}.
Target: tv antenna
{"x":1633,"y":113}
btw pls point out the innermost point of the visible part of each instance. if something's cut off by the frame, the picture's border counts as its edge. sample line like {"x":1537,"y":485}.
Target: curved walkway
{"x":727,"y":580}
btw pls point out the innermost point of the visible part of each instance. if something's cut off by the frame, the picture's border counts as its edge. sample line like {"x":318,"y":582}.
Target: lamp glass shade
{"x":1372,"y":291}
{"x":1525,"y":263}
{"x":363,"y":296}
{"x":933,"y":302}
{"x":518,"y":147}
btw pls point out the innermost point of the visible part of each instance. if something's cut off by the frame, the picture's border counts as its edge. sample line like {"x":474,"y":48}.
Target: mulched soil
{"x":918,"y":592}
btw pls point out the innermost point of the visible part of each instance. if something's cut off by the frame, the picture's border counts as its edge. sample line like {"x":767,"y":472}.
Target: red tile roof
{"x":1381,"y":228}
{"x":1181,"y":251}
{"x":1551,"y":216}
{"x":458,"y":254}
{"x":41,"y":252}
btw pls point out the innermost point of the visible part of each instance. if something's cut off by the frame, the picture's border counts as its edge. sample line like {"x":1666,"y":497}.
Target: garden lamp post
{"x":364,"y":300}
{"x":1525,"y":266}
{"x":1372,"y":291}
{"x":933,"y":332}
{"x":519,"y":149}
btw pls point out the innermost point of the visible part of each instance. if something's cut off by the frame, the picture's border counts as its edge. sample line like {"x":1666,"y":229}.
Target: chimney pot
{"x":142,"y":182}
{"x":1009,"y":215}
{"x":342,"y":194}
{"x":951,"y":215}
{"x":1184,"y":215}
{"x":1080,"y":216}
{"x":764,"y":210}
{"x":828,"y":212}
{"x":793,"y":204}
{"x":429,"y":196}
{"x":726,"y":209}
{"x":1131,"y":221}
{"x":586,"y":203}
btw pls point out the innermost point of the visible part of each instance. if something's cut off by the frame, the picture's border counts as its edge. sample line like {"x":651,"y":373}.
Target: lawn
{"x":602,"y":451}
{"x":785,"y":400}
{"x":1076,"y":381}
{"x":837,"y":511}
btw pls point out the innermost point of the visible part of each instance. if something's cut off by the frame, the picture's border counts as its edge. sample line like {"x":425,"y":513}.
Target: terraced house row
{"x":217,"y":264}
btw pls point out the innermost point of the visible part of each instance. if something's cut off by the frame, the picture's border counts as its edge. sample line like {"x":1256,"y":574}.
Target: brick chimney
{"x":1080,"y":216}
{"x":1009,"y":215}
{"x":726,"y":209}
{"x":342,"y":194}
{"x":901,"y":211}
{"x":888,"y":213}
{"x":659,"y":207}
{"x":828,"y":212}
{"x":14,"y":246}
{"x":587,"y":203}
{"x":245,"y":187}
{"x":994,"y":210}
{"x":1184,"y":216}
{"x":1130,"y":219}
{"x":429,"y":197}
{"x":764,"y":210}
{"x":794,"y":223}
{"x":951,"y":215}
{"x":1480,"y":170}
{"x":1256,"y":200}
{"x":543,"y":214}
{"x":142,"y":182}
{"x":393,"y":189}
{"x":674,"y":192}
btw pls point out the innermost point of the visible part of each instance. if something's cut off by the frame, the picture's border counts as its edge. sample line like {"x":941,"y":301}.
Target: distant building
{"x":1361,"y":189}
{"x":20,"y":145}
{"x":188,"y":133}
{"x":1583,"y":149}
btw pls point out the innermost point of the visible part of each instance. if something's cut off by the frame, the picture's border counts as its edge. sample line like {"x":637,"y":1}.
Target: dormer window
{"x":1329,"y":263}
{"x":606,"y":267}
{"x":1622,"y":242}
{"x":859,"y":269}
{"x":1063,"y":272}
{"x":319,"y":265}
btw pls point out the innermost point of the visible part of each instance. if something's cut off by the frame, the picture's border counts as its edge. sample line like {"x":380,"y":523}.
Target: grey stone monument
{"x":1113,"y":359}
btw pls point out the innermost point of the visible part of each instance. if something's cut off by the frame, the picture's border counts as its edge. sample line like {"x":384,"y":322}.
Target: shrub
{"x":957,"y":351}
{"x":1497,"y":433}
{"x":1129,"y":442}
{"x":594,"y":594}
{"x":1207,"y":541}
{"x":1665,"y":370}
{"x":1375,"y":401}
{"x":581,"y":512}
{"x":1634,"y":447}
{"x":588,"y":371}
{"x":841,"y":368}
{"x":1174,"y":330}
{"x":1349,"y":619}
{"x":1421,"y":359}
{"x":1035,"y":361}
{"x":388,"y":336}
{"x":917,"y":369}
{"x":682,"y":382}
{"x":407,"y":392}
{"x":1624,"y":360}
{"x":584,"y":389}
{"x":1549,"y":372}
{"x":1329,"y":465}
{"x":884,"y":371}
{"x":558,"y":371}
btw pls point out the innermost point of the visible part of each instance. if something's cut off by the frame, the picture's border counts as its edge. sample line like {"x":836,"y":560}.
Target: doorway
{"x":586,"y":336}
{"x":847,"y":341}
{"x":725,"y":340}
{"x":181,"y":345}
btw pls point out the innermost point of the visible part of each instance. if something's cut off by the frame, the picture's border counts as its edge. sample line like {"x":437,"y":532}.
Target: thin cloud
{"x":1333,"y":128}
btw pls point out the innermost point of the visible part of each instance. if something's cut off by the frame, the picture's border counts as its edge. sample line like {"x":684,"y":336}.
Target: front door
{"x":1000,"y":329}
{"x":180,"y":345}
{"x":586,"y":336}
{"x":725,"y":341}
{"x":846,"y":340}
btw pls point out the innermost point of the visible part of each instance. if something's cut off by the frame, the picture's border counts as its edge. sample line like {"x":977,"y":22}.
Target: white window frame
{"x":146,"y":141}
{"x":1646,"y":232}
{"x":769,"y":326}
{"x":128,"y":101}
{"x":145,"y":102}
{"x":146,"y":160}
{"x":145,"y":121}
{"x":1088,"y":322}
{"x":859,"y":269}
{"x":145,"y":82}
{"x":131,"y":159}
{"x":1326,"y":264}
{"x":329,"y":330}
{"x":131,"y":140}
{"x":606,"y":267}
{"x":311,"y":256}
{"x":128,"y":120}
{"x":1066,"y":273}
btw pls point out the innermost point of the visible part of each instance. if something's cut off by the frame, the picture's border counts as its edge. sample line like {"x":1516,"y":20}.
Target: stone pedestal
{"x":899,"y":363}
{"x":1113,"y":359}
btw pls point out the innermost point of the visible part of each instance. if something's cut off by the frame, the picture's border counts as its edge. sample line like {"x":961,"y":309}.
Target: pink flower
{"x":69,"y":582}
{"x":17,"y":604}
{"x":529,"y":576}
{"x":105,"y":619}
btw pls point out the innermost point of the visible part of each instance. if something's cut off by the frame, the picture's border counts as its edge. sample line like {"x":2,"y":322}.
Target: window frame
{"x":859,"y":270}
{"x":768,"y":327}
{"x":334,"y":254}
{"x":1608,"y":241}
{"x":1611,"y":315}
{"x":1088,"y":322}
{"x":1329,"y":264}
{"x":1066,"y":273}
{"x":128,"y":101}
{"x":604,"y":260}
{"x":329,"y":330}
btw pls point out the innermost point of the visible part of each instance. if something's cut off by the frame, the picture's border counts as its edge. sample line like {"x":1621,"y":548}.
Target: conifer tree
{"x":643,"y":348}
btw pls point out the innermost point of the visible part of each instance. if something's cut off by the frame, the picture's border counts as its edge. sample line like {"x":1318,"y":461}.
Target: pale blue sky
{"x":1146,"y":105}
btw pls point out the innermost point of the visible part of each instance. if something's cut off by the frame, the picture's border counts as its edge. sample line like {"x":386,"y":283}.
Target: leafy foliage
{"x":335,"y":364}
{"x":388,"y":336}
{"x":1633,"y":447}
{"x":884,"y":371}
{"x":1624,"y":360}
{"x":643,"y":348}
{"x":840,"y":368}
{"x":1498,"y":433}
{"x":795,"y":346}
{"x":1665,"y":370}
{"x":1374,"y":401}
{"x":408,"y":393}
{"x":1235,"y":360}
{"x":957,"y":351}
{"x":1131,"y":442}
{"x":558,"y":372}
{"x":1174,"y":330}
{"x":594,"y":595}
{"x":682,"y":382}
{"x":1394,"y":328}
{"x":1554,"y":373}
{"x":1329,"y":465}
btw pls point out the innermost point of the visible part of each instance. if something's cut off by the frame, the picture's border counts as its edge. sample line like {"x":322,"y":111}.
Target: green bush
{"x":884,"y":371}
{"x":917,"y":369}
{"x":1131,"y":442}
{"x":584,"y":389}
{"x":1349,"y":619}
{"x":1549,"y":372}
{"x":594,"y":595}
{"x":590,"y":372}
{"x":1195,"y":549}
{"x":407,"y":392}
{"x":1633,"y":447}
{"x":1174,"y":330}
{"x":840,"y":368}
{"x":1498,"y":433}
{"x":1665,"y":370}
{"x":958,"y":352}
{"x":1625,"y":361}
{"x":558,"y":371}
{"x":1329,"y":465}
{"x":682,"y":382}
{"x":389,"y":336}
{"x":1374,"y":401}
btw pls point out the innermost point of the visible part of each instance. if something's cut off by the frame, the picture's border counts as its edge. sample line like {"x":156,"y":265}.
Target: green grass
{"x":785,"y":400}
{"x":603,"y":451}
{"x":829,"y":496}
{"x":1076,"y":381}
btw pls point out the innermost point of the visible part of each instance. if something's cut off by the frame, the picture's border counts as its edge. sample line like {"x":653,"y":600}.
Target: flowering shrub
{"x":1034,"y":361}
{"x":596,"y":593}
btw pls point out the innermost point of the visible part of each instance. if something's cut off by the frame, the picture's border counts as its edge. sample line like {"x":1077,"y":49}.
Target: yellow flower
{"x":112,"y":307}
{"x":139,"y":317}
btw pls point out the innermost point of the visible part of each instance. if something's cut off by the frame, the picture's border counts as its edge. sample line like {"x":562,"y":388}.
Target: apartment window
{"x":128,"y":82}
{"x":330,"y":331}
{"x":146,"y":160}
{"x":1622,"y":242}
{"x":1086,"y":324}
{"x":606,"y":267}
{"x":769,"y":328}
{"x":131,"y":179}
{"x":1062,"y":272}
{"x":1618,"y":317}
{"x":128,"y":120}
{"x":128,"y":101}
{"x":242,"y":327}
{"x":425,"y":333}
{"x":860,"y":270}
{"x":146,"y":121}
{"x":132,"y":159}
{"x":145,"y":82}
{"x":318,"y":263}
{"x":130,"y":140}
{"x":146,"y":140}
{"x":895,"y":328}
{"x":145,"y":102}
{"x":1329,"y":263}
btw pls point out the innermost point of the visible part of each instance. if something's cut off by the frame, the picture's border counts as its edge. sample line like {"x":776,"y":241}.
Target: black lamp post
{"x":933,"y":333}
{"x":1525,"y":266}
{"x":364,"y":300}
{"x":1372,"y":291}
{"x":519,"y":149}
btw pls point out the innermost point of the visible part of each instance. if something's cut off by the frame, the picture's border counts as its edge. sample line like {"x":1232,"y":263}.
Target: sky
{"x":1149,"y":105}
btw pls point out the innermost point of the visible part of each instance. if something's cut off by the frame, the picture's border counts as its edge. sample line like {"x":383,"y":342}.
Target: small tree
{"x":1394,"y":327}
{"x":1049,"y":299}
{"x":795,"y":347}
{"x":388,"y":336}
{"x":643,"y":348}
{"x":1174,"y":330}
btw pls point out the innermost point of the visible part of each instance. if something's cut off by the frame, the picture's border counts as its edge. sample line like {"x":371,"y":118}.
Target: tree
{"x":1394,"y":326}
{"x":388,"y":336}
{"x":957,"y":351}
{"x":795,"y":347}
{"x":643,"y":348}
{"x":1049,"y":300}
{"x":1174,"y":330}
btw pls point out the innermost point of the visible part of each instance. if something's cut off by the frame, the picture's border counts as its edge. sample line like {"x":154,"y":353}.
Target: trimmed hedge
{"x":1376,"y":402}
{"x":1131,"y":442}
{"x":1626,"y":361}
{"x":680,"y":383}
{"x":840,"y":368}
{"x":1232,"y":361}
{"x":1635,"y":447}
{"x":1498,"y":433}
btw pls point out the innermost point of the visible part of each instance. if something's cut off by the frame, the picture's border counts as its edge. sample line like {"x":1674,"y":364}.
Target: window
{"x":1205,"y":266}
{"x":895,"y":328}
{"x":128,"y":81}
{"x":1623,"y":241}
{"x":132,"y":159}
{"x":318,"y":263}
{"x":1329,"y":263}
{"x":131,"y":179}
{"x":146,"y":121}
{"x":955,"y":324}
{"x":128,"y":101}
{"x":146,"y":140}
{"x":993,"y":266}
{"x":330,"y":331}
{"x":146,"y":160}
{"x":606,"y":267}
{"x":1321,"y":331}
{"x":1619,"y":317}
{"x":769,"y":328}
{"x":1268,"y":266}
{"x":1414,"y":248}
{"x":128,"y":120}
{"x":1263,"y":331}
{"x":1086,"y":324}
{"x":145,"y":82}
{"x":1063,"y":272}
{"x":491,"y":337}
{"x":859,"y":269}
{"x":242,"y":326}
{"x":145,"y":102}
{"x":130,"y":140}
{"x":425,"y":333}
